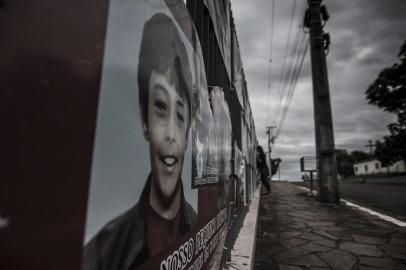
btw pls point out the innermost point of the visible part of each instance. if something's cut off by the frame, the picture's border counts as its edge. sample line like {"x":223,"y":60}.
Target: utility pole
{"x":370,"y":145}
{"x":269,"y":131}
{"x":326,"y":161}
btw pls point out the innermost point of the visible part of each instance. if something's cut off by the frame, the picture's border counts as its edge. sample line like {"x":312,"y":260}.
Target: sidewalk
{"x":296,"y":232}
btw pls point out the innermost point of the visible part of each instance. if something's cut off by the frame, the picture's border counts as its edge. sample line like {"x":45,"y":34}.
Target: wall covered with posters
{"x":128,"y":153}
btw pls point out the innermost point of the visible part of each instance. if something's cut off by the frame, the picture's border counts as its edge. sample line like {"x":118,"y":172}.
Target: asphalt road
{"x":389,"y":199}
{"x":386,"y":196}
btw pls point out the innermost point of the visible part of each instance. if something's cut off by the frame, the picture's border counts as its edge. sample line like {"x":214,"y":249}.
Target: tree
{"x":344,"y":163}
{"x":388,"y":92}
{"x":357,"y":156}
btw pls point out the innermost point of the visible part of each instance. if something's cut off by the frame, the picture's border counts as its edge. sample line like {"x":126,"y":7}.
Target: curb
{"x":243,"y":251}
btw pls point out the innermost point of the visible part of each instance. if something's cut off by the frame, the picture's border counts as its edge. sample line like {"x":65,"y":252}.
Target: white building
{"x":374,"y":166}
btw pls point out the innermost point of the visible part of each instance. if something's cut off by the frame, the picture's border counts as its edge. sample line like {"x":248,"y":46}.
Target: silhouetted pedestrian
{"x":263,"y":168}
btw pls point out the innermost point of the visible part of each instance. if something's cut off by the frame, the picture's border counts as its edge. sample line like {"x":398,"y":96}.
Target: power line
{"x":293,"y":89}
{"x":270,"y":55}
{"x":293,"y":61}
{"x":289,"y":69}
{"x":288,"y":82}
{"x":285,"y":57}
{"x":293,"y":64}
{"x":271,"y":43}
{"x":288,"y":78}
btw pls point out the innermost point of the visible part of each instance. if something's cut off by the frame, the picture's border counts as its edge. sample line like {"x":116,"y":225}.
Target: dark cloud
{"x":366,"y":36}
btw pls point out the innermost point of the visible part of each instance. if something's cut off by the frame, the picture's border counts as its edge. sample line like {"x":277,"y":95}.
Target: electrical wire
{"x":270,"y":56}
{"x":293,"y":87}
{"x":289,"y":81}
{"x":284,"y":59}
{"x":290,"y":75}
{"x":271,"y":43}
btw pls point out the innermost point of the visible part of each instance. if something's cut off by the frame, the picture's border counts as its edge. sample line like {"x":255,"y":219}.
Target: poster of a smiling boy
{"x":162,"y":214}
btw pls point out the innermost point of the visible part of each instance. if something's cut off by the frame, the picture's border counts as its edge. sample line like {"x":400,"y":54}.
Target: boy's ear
{"x":143,"y":124}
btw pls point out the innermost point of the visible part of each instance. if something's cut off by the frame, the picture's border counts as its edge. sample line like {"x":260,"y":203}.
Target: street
{"x":387,"y":198}
{"x":385,"y":195}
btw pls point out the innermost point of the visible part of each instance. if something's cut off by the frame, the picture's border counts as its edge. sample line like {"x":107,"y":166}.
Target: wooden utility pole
{"x":269,"y":130}
{"x":371,"y":146}
{"x":326,"y":161}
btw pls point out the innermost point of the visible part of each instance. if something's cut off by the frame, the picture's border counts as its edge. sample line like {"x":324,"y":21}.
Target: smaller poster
{"x":204,"y":139}
{"x":223,"y":130}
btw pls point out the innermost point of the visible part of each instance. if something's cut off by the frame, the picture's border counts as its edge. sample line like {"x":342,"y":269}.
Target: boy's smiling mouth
{"x":169,"y":160}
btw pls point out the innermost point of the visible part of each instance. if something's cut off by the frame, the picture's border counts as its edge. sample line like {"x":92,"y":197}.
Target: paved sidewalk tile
{"x":297,"y":232}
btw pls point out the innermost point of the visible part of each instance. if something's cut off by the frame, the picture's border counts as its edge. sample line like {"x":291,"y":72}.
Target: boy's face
{"x":166,"y":132}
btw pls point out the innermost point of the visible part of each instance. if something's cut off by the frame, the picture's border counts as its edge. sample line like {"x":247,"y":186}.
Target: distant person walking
{"x":263,"y":168}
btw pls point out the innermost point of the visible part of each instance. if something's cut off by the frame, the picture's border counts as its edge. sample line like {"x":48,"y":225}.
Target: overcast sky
{"x":365,"y":37}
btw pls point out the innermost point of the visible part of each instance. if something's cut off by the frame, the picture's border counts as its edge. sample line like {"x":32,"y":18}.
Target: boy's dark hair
{"x":161,"y":50}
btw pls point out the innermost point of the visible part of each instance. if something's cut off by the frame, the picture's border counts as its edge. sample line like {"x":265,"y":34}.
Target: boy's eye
{"x":161,"y":106}
{"x":180,"y":117}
